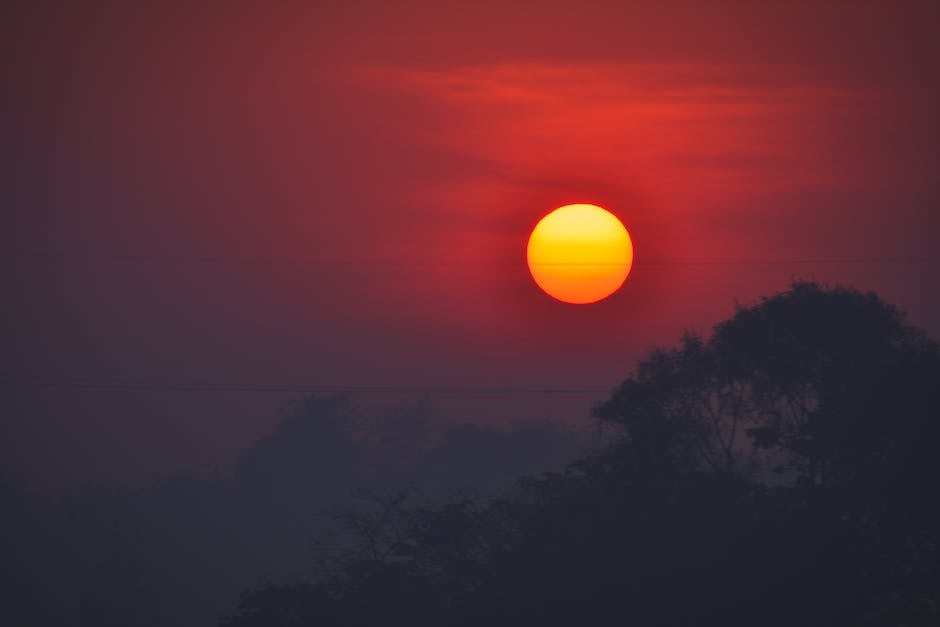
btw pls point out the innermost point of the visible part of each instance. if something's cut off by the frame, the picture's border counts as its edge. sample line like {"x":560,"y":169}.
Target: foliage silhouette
{"x":178,"y":550}
{"x":781,"y":472}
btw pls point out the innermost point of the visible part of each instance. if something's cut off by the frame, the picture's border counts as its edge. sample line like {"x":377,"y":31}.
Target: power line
{"x":204,"y":386}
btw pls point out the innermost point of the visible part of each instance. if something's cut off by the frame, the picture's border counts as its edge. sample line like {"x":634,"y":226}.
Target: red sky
{"x":339,"y":194}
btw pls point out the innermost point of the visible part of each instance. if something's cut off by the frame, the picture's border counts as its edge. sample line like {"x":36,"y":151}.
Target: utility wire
{"x":203,"y":386}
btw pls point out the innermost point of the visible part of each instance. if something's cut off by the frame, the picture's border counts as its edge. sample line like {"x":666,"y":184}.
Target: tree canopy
{"x":781,"y":471}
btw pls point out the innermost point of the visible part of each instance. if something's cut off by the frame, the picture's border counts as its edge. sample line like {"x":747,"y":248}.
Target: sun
{"x":579,"y":253}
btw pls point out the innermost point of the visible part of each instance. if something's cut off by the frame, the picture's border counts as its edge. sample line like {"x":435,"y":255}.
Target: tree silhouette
{"x":819,"y":384}
{"x":179,"y":549}
{"x":779,"y":472}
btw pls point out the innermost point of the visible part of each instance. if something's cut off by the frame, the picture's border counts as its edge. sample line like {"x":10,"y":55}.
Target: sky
{"x":212,"y":208}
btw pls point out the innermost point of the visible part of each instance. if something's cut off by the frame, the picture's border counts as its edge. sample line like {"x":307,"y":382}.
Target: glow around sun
{"x":579,"y":253}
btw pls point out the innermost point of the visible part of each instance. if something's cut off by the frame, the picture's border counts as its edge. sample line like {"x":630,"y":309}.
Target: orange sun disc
{"x":579,"y":253}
